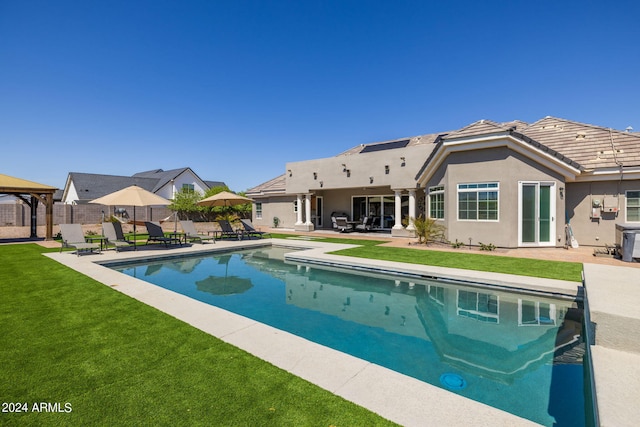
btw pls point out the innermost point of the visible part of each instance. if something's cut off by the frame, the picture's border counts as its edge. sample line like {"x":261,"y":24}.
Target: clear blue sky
{"x":234,"y":89}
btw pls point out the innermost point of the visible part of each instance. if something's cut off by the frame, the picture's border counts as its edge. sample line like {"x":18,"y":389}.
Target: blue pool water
{"x":517,"y":352}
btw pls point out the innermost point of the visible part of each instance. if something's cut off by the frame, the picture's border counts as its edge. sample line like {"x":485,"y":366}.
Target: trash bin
{"x":630,"y":245}
{"x":628,"y":241}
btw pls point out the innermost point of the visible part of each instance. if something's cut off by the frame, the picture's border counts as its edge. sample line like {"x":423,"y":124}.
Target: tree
{"x":184,"y":203}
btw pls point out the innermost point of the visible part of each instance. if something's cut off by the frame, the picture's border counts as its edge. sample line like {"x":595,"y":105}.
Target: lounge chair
{"x":110,"y":231}
{"x":364,"y":226}
{"x":343,"y":225}
{"x":191,"y":234}
{"x":73,"y":237}
{"x":250,"y":230}
{"x":157,"y":235}
{"x":227,"y":230}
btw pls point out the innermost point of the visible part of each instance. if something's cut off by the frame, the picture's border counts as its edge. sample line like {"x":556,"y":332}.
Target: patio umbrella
{"x":224,"y":285}
{"x":224,"y":198}
{"x":132,"y":196}
{"x":228,"y":285}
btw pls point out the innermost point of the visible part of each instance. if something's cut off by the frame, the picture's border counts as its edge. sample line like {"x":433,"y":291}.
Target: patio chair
{"x":227,"y":230}
{"x":250,"y":230}
{"x":110,"y":231}
{"x":157,"y":235}
{"x":343,"y":225}
{"x":73,"y":237}
{"x":364,"y":226}
{"x":191,"y":234}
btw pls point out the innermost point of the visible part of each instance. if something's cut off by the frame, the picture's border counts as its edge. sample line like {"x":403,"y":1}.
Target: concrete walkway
{"x":614,"y":294}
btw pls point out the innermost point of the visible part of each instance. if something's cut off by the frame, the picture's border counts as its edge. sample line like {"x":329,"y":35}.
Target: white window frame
{"x":436,"y":191}
{"x":552,"y":314}
{"x":258,"y":210}
{"x":477,"y":188}
{"x":626,"y":205}
{"x":478,"y":314}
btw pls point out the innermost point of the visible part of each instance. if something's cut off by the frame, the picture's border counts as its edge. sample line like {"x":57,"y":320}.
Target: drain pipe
{"x":589,"y":339}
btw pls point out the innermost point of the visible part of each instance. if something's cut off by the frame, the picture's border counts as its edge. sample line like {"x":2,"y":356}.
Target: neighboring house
{"x":80,"y":188}
{"x":510,"y":184}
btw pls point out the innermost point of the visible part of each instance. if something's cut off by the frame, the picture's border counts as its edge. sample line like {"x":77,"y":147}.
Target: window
{"x":258,"y":210}
{"x":188,"y":188}
{"x":436,"y":293}
{"x":633,"y":206}
{"x":295,"y":206}
{"x":436,"y":202}
{"x":478,"y":306}
{"x":536,"y":313}
{"x":478,"y":202}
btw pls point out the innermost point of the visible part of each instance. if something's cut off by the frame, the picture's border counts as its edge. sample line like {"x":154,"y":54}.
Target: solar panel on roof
{"x":385,"y":146}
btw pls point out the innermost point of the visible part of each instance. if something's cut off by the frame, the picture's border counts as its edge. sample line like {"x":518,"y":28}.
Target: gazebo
{"x":22,"y":189}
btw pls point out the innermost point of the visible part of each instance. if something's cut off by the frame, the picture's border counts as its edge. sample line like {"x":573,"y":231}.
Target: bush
{"x":428,"y":230}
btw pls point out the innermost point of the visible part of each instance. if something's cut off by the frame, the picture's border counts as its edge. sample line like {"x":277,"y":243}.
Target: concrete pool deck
{"x":402,"y":399}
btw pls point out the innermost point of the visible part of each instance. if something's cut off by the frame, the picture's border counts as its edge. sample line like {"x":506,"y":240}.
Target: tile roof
{"x":591,"y":146}
{"x":583,"y":146}
{"x":275,"y":185}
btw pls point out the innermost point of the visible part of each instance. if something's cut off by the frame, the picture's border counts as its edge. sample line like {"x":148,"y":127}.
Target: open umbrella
{"x":224,"y":198}
{"x":228,"y":285}
{"x":132,"y":196}
{"x":224,"y":285}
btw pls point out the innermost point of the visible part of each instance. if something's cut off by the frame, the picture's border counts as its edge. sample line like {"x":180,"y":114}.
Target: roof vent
{"x":581,"y":135}
{"x":628,"y":129}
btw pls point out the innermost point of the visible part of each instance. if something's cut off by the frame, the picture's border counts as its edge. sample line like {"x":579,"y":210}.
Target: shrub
{"x":428,"y":230}
{"x":488,"y":247}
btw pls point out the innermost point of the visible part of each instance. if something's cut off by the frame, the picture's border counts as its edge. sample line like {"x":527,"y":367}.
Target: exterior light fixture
{"x":321,"y":184}
{"x":289,"y":171}
{"x":344,"y":167}
{"x":348,"y":173}
{"x":403,"y":161}
{"x":315,"y":175}
{"x":386,"y":169}
{"x":370,"y":180}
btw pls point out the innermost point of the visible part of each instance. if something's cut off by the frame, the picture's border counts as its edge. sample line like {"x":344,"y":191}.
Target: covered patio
{"x":31,"y":193}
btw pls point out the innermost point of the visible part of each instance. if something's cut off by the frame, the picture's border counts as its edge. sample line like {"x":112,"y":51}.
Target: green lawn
{"x":69,"y":339}
{"x":571,"y":271}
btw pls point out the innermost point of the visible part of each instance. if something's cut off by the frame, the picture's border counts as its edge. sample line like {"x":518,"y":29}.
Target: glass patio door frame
{"x":542,"y":214}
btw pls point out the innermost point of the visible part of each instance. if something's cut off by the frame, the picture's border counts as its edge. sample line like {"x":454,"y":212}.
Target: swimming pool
{"x":520,"y":353}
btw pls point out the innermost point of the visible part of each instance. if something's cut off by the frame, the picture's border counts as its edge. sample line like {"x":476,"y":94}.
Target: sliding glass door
{"x":537,"y":213}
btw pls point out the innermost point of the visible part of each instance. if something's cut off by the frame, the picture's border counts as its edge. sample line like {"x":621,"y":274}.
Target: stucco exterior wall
{"x":580,"y":197}
{"x":493,"y":165}
{"x":279,"y":206}
{"x":403,"y":164}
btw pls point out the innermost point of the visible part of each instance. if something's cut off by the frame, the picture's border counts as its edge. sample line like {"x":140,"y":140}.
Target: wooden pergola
{"x":31,"y":193}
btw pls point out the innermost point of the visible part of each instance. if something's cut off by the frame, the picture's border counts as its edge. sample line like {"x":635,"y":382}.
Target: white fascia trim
{"x":609,"y":174}
{"x":500,"y":140}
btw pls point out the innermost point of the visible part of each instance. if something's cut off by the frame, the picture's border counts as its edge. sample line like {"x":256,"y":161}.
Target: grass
{"x":571,"y":271}
{"x":68,"y":338}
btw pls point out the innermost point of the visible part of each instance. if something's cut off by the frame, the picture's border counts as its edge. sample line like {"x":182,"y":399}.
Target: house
{"x":80,"y":188}
{"x":511,"y":184}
